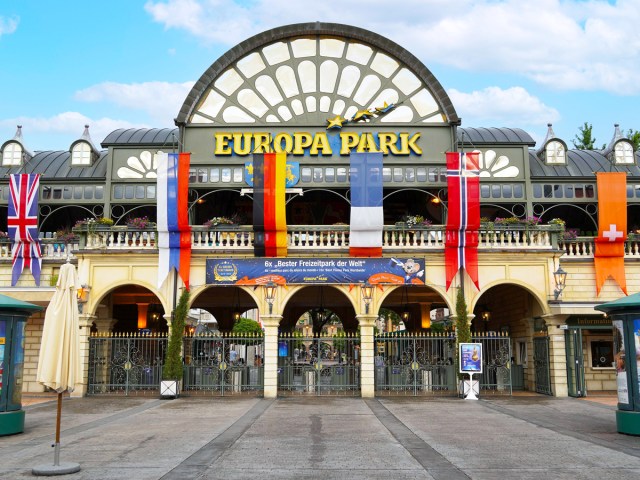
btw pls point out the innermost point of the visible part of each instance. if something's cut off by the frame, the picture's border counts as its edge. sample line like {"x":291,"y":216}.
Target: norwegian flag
{"x":463,"y":220}
{"x":22,"y":222}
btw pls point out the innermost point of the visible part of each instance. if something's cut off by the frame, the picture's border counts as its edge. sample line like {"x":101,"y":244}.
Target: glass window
{"x":215,"y":175}
{"x":397,"y":174}
{"x":557,"y":191}
{"x":330,"y":174}
{"x":579,"y":189}
{"x":548,"y":191}
{"x":637,"y":191}
{"x":443,"y":175}
{"x":629,"y":191}
{"x":88,"y":193}
{"x":484,"y":191}
{"x":203,"y":175}
{"x":67,"y":193}
{"x":342,"y":174}
{"x":507,"y":191}
{"x":140,"y":190}
{"x":151,"y":191}
{"x":57,"y":193}
{"x":386,"y":174}
{"x":305,"y":174}
{"x":568,"y":191}
{"x":623,"y":152}
{"x":421,"y":174}
{"x":192,"y":175}
{"x":77,"y":193}
{"x":495,"y":191}
{"x":99,"y":192}
{"x":46,"y":193}
{"x":410,"y":174}
{"x":317,"y":174}
{"x":433,"y":174}
{"x":12,"y":154}
{"x":601,"y":354}
{"x":237,"y":174}
{"x":226,"y":175}
{"x":81,"y":154}
{"x":518,"y":191}
{"x":129,"y":191}
{"x":589,"y":191}
{"x":537,"y":191}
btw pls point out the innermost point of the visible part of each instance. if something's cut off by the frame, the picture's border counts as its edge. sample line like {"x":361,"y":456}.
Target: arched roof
{"x":57,"y":165}
{"x":580,"y":163}
{"x":477,"y":136}
{"x":309,"y":71}
{"x":142,"y":136}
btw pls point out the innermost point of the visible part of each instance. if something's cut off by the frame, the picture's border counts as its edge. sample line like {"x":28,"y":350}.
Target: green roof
{"x":8,"y":303}
{"x":631,"y":302}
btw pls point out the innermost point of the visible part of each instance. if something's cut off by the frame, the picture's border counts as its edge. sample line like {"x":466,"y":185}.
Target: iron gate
{"x":496,"y":367}
{"x":227,"y":364}
{"x":125,"y":363}
{"x":319,"y":365}
{"x":541,"y":363}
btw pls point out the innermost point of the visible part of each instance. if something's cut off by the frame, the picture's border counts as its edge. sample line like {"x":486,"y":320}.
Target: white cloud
{"x":564,"y":44}
{"x":67,"y":125}
{"x":161,"y":100}
{"x":501,"y":108}
{"x":8,"y":25}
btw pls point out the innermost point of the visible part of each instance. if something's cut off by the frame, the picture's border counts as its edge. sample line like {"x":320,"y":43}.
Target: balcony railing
{"x":585,"y":247}
{"x":326,"y":238}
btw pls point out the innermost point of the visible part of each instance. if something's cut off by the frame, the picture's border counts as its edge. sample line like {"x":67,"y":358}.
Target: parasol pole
{"x":56,"y":451}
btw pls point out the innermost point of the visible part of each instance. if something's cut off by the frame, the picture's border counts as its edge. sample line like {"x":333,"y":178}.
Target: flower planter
{"x":170,"y":388}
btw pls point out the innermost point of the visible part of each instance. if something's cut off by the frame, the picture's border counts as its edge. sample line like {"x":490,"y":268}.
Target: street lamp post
{"x":367,"y":295}
{"x":270,"y":294}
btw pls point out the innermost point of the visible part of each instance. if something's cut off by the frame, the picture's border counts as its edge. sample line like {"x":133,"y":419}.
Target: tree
{"x":246,"y":325}
{"x":463,"y":330}
{"x":634,"y":136}
{"x":172,"y":369}
{"x":585,"y":139}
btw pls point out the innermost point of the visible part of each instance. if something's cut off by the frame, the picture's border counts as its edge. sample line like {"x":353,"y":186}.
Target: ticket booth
{"x":625,"y":318}
{"x":13,"y":320}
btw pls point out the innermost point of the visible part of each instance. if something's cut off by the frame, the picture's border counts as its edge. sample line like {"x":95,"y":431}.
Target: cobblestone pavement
{"x":519,"y":437}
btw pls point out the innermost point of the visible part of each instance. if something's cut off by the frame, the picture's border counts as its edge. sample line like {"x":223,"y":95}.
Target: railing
{"x":51,"y":248}
{"x":584,"y":247}
{"x":328,"y":238}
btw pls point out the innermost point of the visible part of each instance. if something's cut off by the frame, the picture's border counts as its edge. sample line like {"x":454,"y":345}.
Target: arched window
{"x":81,"y":154}
{"x":12,"y":154}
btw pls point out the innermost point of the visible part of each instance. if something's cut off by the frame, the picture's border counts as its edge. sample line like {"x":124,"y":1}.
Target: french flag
{"x":174,"y":233}
{"x":367,"y":218}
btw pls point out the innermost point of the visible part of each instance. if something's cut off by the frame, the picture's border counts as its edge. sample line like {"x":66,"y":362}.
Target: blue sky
{"x":130,"y":63}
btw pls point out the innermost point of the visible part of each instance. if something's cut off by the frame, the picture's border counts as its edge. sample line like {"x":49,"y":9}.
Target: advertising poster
{"x":470,"y":358}
{"x":636,"y":336}
{"x":283,"y":271}
{"x":619,"y":359}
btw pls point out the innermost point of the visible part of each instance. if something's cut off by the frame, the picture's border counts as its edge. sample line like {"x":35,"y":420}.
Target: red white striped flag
{"x":463,"y":220}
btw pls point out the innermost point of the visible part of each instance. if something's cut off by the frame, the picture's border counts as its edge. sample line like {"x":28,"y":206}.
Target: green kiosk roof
{"x":632,"y":302}
{"x":8,"y":303}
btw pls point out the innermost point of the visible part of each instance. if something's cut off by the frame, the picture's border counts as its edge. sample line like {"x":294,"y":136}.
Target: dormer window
{"x":81,"y":154}
{"x":623,"y":153}
{"x":555,"y":153}
{"x":12,"y":154}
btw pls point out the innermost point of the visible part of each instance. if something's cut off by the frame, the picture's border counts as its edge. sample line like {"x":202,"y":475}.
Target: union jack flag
{"x":22,"y":222}
{"x":463,"y":220}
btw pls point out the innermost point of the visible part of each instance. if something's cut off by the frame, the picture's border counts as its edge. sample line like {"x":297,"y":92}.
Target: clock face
{"x":555,"y":152}
{"x":623,"y":152}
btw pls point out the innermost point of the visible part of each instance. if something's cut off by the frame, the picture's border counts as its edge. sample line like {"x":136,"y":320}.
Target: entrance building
{"x":331,"y":323}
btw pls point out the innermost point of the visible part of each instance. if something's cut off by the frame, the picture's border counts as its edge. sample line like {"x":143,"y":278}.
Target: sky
{"x":131,"y":63}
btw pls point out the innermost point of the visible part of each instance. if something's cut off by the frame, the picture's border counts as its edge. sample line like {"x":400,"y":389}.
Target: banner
{"x":367,"y":216}
{"x":269,"y":216}
{"x":463,"y":219}
{"x":612,"y":229}
{"x":22,"y":225}
{"x":174,"y":233}
{"x":258,"y":271}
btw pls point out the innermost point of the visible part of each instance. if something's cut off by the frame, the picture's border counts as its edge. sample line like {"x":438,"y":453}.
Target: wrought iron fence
{"x":227,"y":364}
{"x":319,"y":364}
{"x":129,"y":364}
{"x":496,"y":374}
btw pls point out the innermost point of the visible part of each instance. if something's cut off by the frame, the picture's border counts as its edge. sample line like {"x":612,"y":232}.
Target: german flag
{"x":269,"y":218}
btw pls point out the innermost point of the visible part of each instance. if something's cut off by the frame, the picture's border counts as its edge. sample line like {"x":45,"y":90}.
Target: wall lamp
{"x":485,"y":314}
{"x":560,"y":278}
{"x":367,"y":295}
{"x":270,"y":294}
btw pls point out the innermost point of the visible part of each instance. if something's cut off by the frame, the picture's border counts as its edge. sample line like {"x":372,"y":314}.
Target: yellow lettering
{"x":320,"y":142}
{"x":367,"y":143}
{"x":388,"y":143}
{"x":288,"y":143}
{"x":348,"y":140}
{"x":301,"y":141}
{"x":242,"y":143}
{"x":262,"y":142}
{"x":222,"y":140}
{"x":407,"y":144}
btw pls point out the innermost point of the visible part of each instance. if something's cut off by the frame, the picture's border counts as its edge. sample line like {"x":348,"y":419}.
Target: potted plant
{"x":65,"y":237}
{"x":92,"y":224}
{"x":172,"y":370}
{"x":140,"y":223}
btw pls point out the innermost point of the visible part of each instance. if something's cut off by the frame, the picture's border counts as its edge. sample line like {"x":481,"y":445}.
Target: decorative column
{"x":85,"y":321}
{"x":270,"y":323}
{"x":367,"y":353}
{"x":557,"y":354}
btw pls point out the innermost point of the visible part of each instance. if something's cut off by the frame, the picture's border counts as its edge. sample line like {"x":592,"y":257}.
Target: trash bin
{"x":13,"y":320}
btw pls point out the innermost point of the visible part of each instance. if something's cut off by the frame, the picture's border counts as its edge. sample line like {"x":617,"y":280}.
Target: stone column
{"x":367,"y":353}
{"x":557,"y":355}
{"x":85,"y":331}
{"x":270,"y":324}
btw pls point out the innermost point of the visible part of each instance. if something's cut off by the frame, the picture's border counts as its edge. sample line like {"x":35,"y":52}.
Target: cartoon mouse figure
{"x":411,"y":269}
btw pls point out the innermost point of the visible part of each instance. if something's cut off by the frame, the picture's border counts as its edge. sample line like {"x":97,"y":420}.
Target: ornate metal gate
{"x":125,"y":364}
{"x":415,"y":364}
{"x":319,"y":365}
{"x":496,"y":370}
{"x":227,"y":364}
{"x":541,"y":362}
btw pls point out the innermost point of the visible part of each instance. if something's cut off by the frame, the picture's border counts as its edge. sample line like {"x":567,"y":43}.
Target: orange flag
{"x":612,"y":228}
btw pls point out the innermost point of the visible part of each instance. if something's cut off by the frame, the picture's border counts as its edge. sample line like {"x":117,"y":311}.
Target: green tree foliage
{"x":246,"y":325}
{"x":463,"y":330}
{"x":634,"y":136}
{"x":584,"y":139}
{"x":172,"y":369}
